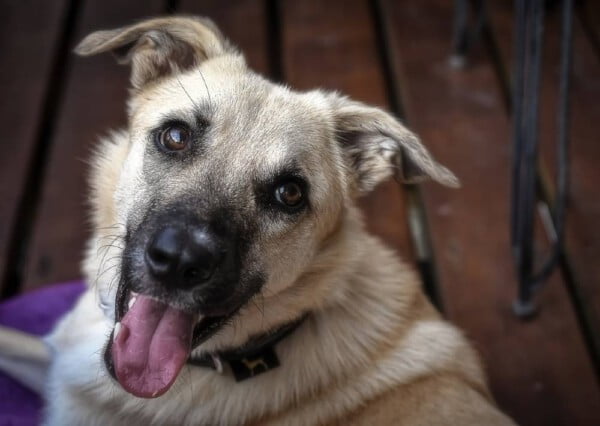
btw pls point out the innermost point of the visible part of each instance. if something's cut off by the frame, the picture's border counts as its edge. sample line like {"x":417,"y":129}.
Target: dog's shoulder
{"x":431,"y":372}
{"x":438,"y":399}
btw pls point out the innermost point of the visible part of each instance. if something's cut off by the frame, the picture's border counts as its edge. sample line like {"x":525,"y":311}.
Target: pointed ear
{"x":159,"y":47}
{"x":378,"y":146}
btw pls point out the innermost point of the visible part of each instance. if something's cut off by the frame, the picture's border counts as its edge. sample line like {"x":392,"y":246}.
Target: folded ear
{"x":158,"y":47}
{"x":378,"y":146}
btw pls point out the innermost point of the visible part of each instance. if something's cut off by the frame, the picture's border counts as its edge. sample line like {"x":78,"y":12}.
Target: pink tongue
{"x":151,"y":347}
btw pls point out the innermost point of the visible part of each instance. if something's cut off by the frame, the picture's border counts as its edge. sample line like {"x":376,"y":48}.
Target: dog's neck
{"x":254,"y":357}
{"x":347,"y":334}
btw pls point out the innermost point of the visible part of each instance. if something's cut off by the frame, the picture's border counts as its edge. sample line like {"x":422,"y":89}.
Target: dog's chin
{"x":152,"y":339}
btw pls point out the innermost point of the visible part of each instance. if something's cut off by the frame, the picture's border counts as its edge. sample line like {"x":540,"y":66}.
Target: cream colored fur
{"x":372,"y":333}
{"x":372,"y":350}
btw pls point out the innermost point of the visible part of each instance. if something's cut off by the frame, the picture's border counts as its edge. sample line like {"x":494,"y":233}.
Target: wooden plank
{"x":323,"y":47}
{"x":244,"y":22}
{"x":540,"y":371}
{"x":588,"y":15}
{"x":94,"y":101}
{"x":27,"y":54}
{"x":582,"y":230}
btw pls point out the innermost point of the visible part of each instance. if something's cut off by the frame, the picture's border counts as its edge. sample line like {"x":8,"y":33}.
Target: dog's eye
{"x":289,"y":194}
{"x":175,"y":137}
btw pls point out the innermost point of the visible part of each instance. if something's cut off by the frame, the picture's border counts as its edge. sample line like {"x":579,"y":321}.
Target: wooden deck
{"x":390,"y":53}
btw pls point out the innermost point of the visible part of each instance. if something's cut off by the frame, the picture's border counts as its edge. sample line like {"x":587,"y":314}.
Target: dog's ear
{"x":378,"y":145}
{"x":158,"y":47}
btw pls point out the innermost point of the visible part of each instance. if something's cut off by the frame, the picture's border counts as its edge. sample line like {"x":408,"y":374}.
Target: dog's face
{"x":223,"y":190}
{"x":228,"y":186}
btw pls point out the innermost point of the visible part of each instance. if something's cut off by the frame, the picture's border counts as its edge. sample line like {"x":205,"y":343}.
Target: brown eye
{"x":289,"y":194}
{"x":175,"y":138}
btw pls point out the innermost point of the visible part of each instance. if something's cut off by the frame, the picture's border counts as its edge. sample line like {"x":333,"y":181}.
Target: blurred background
{"x":401,"y":55}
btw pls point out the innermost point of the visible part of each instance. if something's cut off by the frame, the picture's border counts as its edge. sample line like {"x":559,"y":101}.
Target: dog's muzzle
{"x":180,"y":283}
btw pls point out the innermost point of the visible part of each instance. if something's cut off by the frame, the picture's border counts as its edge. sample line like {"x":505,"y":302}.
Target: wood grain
{"x":94,"y":102}
{"x":540,"y":371}
{"x":27,"y":55}
{"x":244,"y":22}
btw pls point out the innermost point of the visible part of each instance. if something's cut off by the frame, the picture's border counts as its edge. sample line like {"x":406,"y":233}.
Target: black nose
{"x":184,"y":255}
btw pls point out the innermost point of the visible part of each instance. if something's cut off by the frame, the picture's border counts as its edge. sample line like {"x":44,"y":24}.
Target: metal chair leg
{"x":528,"y":54}
{"x":464,"y":36}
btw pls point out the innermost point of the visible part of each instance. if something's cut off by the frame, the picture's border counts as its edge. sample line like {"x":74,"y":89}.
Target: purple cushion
{"x":35,"y":312}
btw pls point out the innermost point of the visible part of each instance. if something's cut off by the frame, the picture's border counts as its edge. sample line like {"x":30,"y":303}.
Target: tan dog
{"x":231,"y":278}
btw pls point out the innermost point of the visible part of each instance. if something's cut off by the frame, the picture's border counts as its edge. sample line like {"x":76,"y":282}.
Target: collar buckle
{"x":255,"y":357}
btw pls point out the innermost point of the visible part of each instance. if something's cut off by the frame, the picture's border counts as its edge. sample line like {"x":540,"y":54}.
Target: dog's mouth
{"x":152,"y":341}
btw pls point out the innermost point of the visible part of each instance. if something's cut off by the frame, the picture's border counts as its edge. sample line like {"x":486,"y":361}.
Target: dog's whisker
{"x":112,"y":281}
{"x":186,"y":92}
{"x":106,"y":261}
{"x":106,"y":250}
{"x":113,"y":226}
{"x":105,"y":241}
{"x":107,"y":236}
{"x":105,"y":271}
{"x":101,"y":273}
{"x":109,"y":246}
{"x":206,"y":87}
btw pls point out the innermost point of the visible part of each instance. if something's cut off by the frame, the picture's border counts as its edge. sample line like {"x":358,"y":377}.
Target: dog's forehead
{"x":251,"y":119}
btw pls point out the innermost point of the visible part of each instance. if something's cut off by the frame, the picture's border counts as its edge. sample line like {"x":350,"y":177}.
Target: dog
{"x":230,"y":276}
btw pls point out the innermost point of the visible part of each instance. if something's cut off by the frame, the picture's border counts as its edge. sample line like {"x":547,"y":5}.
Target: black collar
{"x":255,"y":357}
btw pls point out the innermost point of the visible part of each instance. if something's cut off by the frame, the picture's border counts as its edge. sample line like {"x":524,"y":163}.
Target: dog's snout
{"x":184,"y":255}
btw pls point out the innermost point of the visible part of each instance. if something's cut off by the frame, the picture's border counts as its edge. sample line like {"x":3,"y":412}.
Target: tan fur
{"x":372,"y":350}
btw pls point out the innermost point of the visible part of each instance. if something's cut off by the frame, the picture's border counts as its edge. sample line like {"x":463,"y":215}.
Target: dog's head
{"x":225,"y":185}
